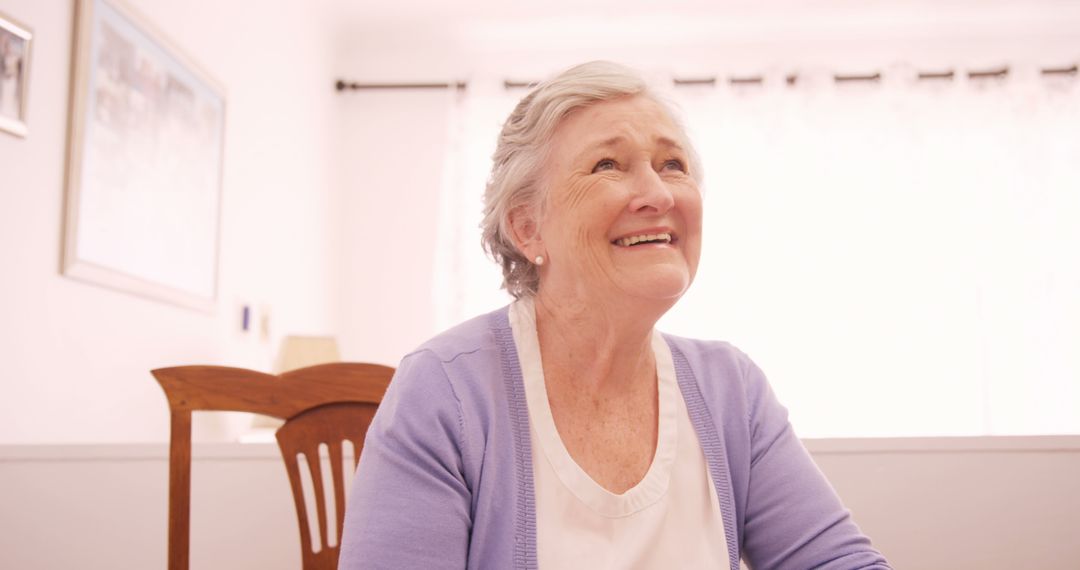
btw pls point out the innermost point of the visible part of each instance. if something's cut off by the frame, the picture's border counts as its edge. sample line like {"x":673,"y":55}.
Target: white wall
{"x":393,"y":147}
{"x":75,"y":357}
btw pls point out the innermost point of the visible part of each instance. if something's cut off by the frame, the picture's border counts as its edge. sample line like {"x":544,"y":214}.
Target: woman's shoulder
{"x":710,"y":354}
{"x":467,"y":356}
{"x":469,"y":337}
{"x":721,"y":370}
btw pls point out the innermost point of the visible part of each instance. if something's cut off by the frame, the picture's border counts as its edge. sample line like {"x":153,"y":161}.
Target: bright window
{"x":900,"y":258}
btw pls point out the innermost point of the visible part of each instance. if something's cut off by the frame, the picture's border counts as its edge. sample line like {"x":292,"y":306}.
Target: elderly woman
{"x":564,"y":431}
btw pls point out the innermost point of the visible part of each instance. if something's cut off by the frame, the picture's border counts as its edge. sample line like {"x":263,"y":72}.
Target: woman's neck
{"x":601,"y":345}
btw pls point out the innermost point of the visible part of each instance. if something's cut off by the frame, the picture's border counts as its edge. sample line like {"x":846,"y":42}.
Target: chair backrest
{"x":323,"y":407}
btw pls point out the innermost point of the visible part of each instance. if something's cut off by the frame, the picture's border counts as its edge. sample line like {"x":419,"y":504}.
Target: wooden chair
{"x":325,"y":404}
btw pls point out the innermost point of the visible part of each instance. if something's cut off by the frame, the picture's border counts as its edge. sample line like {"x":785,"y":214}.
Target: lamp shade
{"x":301,"y":351}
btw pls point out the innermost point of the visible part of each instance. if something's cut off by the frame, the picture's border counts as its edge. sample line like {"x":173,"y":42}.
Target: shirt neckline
{"x":654,"y":484}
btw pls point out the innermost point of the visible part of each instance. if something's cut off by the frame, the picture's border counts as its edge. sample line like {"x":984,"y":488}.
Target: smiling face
{"x":622,"y":214}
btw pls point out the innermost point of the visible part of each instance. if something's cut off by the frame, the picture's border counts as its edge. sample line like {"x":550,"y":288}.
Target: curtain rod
{"x":791,"y":79}
{"x":342,"y":85}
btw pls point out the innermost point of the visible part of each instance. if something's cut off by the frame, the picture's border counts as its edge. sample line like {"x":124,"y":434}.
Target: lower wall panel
{"x":986,"y":503}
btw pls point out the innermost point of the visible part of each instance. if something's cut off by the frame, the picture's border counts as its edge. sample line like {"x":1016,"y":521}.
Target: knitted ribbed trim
{"x":713,"y":446}
{"x":525,"y":519}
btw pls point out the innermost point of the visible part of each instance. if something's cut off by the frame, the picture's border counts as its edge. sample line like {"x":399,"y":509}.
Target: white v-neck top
{"x":670,"y":519}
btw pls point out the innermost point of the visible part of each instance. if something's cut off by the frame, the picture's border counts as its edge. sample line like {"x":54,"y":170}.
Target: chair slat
{"x":338,"y":480}
{"x":329,"y":424}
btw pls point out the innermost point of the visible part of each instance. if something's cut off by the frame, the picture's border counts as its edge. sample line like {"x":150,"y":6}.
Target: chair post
{"x":179,"y":489}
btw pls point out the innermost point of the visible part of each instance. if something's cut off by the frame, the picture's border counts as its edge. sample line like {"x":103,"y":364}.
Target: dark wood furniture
{"x":326,"y":405}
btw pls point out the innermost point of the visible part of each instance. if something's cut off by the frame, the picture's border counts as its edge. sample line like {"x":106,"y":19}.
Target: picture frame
{"x":15,"y":43}
{"x":144,"y":173}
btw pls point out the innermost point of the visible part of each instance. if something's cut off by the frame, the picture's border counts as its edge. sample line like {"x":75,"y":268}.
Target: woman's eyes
{"x":605,"y":164}
{"x":676,"y":164}
{"x":610,"y":164}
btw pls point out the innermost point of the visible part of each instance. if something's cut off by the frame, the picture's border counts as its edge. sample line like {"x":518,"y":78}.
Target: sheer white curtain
{"x":900,"y":258}
{"x":470,"y":279}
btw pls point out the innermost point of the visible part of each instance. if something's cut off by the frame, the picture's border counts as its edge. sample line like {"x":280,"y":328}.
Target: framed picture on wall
{"x":144,"y":162}
{"x":14,"y":75}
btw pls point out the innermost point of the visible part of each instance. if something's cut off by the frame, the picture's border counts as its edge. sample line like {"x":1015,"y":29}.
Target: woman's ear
{"x":525,"y":231}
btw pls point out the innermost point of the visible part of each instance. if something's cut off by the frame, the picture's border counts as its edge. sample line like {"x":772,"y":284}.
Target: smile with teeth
{"x":643,"y":238}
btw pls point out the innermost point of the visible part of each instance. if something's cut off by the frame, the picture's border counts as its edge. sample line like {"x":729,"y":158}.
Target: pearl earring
{"x":539,"y":260}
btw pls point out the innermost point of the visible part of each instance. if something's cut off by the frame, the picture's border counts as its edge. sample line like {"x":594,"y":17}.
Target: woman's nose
{"x":651,"y":195}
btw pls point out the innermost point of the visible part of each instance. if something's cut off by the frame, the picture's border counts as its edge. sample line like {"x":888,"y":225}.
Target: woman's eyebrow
{"x":612,"y":142}
{"x":668,"y":143}
{"x":618,"y":140}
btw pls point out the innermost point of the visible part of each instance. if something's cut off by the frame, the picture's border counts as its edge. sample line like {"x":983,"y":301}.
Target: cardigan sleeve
{"x":794,"y":519}
{"x":410,"y":503}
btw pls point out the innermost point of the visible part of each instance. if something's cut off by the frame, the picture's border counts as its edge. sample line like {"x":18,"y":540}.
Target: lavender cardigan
{"x":445,"y":477}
